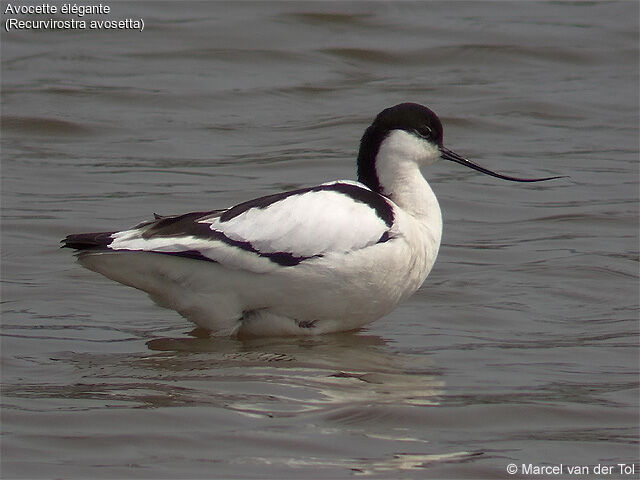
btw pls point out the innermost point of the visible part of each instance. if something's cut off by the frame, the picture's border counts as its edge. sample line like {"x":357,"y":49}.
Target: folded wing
{"x":284,"y":229}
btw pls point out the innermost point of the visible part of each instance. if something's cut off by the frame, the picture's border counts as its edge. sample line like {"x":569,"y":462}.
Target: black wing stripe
{"x":100,"y":241}
{"x":179,"y":225}
{"x":286,"y":259}
{"x":374,"y":200}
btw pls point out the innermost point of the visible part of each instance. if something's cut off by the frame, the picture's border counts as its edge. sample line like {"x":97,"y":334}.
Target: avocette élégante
{"x":320,"y":259}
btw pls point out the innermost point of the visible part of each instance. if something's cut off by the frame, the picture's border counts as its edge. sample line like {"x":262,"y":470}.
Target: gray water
{"x":522,"y":345}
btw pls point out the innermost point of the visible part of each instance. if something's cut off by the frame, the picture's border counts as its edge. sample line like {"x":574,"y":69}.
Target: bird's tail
{"x":88,"y":241}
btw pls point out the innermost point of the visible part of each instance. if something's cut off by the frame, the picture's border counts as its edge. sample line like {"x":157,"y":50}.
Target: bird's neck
{"x":401,"y":180}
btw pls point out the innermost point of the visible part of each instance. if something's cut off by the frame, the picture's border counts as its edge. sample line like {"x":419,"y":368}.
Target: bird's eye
{"x":425,"y":131}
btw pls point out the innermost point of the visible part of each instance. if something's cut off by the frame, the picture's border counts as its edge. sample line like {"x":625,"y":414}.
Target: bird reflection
{"x":307,"y":373}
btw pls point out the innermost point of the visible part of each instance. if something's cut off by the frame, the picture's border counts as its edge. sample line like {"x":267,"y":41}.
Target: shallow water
{"x":521,"y":347}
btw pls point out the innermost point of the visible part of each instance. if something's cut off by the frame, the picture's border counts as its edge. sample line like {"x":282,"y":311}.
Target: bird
{"x":315,"y":260}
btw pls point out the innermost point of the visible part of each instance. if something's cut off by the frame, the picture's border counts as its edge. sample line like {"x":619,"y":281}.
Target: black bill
{"x":454,"y":157}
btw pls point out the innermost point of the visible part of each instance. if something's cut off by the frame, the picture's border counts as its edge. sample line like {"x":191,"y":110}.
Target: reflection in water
{"x":331,"y":389}
{"x":305,"y":374}
{"x":263,"y":377}
{"x":339,"y":386}
{"x":390,"y":466}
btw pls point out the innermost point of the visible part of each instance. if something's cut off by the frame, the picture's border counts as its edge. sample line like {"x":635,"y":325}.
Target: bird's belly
{"x":349,"y":290}
{"x":336,"y":292}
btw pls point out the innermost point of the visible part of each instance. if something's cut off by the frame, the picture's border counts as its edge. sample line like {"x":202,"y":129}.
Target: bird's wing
{"x":284,"y":229}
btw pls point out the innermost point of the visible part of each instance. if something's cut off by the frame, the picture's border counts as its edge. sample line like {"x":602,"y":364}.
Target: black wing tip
{"x":87,"y":241}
